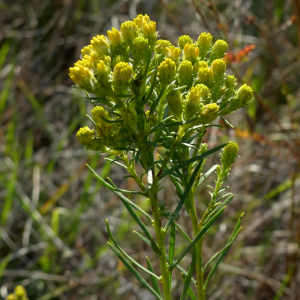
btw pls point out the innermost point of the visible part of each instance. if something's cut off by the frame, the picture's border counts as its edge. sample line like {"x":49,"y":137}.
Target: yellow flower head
{"x":100,"y":45}
{"x":204,"y":40}
{"x":161,"y":46}
{"x":185,"y":72}
{"x":229,"y":154}
{"x":173,"y":53}
{"x":149,"y":29}
{"x":206,"y":76}
{"x":199,"y":64}
{"x":183,"y":40}
{"x":208,"y":113}
{"x":191,"y":52}
{"x":129,"y":31}
{"x":99,"y":114}
{"x":140,"y":20}
{"x":174,"y":100}
{"x":245,"y":94}
{"x":88,"y":138}
{"x":218,"y":67}
{"x":219,"y":48}
{"x":87,"y":50}
{"x":114,"y":36}
{"x":81,"y":75}
{"x":166,"y":71}
{"x":123,"y":73}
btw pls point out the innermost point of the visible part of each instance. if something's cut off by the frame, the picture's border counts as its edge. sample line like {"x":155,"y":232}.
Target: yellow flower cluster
{"x":120,"y":71}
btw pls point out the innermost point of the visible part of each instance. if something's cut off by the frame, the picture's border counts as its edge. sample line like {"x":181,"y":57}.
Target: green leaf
{"x":230,"y":125}
{"x":222,"y":205}
{"x":153,"y":279}
{"x":203,"y":230}
{"x":143,"y":238}
{"x":224,"y":251}
{"x":203,"y":178}
{"x":126,"y":255}
{"x":114,"y":161}
{"x":154,"y":105}
{"x":128,"y":204}
{"x":172,"y":247}
{"x":155,"y":247}
{"x":189,"y":276}
{"x":186,"y":192}
{"x":90,"y":118}
{"x":190,"y":291}
{"x":135,"y":273}
{"x":191,"y":160}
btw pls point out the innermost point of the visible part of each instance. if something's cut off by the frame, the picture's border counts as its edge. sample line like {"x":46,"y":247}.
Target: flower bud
{"x":83,"y":77}
{"x":174,"y":100}
{"x":88,"y":138}
{"x":218,"y":67}
{"x":199,"y":64}
{"x":191,"y":52}
{"x":193,"y":105}
{"x":100,"y":45}
{"x":229,"y":155}
{"x":230,"y":81}
{"x":11,"y":297}
{"x":161,"y":46}
{"x":20,"y":293}
{"x":99,"y":113}
{"x":166,"y":71}
{"x":206,"y":76}
{"x":204,"y":91}
{"x":185,"y":73}
{"x":244,"y":94}
{"x":173,"y":53}
{"x":218,"y":49}
{"x":183,"y":40}
{"x":140,"y":19}
{"x":114,"y":36}
{"x":87,"y":50}
{"x":203,"y":148}
{"x":130,"y":117}
{"x":102,"y":73}
{"x":208,"y":113}
{"x":204,"y":43}
{"x":139,"y":48}
{"x":104,"y":131}
{"x":122,"y":76}
{"x":129,"y":31}
{"x":149,"y":29}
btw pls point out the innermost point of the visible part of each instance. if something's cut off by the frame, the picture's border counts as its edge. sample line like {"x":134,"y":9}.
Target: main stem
{"x":160,"y":236}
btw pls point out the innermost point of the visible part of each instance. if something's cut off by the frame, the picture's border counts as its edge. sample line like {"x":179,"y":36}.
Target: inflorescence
{"x":138,"y":81}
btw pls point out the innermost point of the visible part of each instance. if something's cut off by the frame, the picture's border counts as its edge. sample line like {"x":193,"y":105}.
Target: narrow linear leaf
{"x":203,"y":230}
{"x":221,"y":206}
{"x":191,"y":160}
{"x":186,"y":192}
{"x":90,"y":118}
{"x":229,"y":243}
{"x":126,"y":255}
{"x":203,"y":178}
{"x":113,"y":161}
{"x":153,"y":279}
{"x":154,"y":105}
{"x":230,"y":125}
{"x":172,"y":247}
{"x":135,"y":273}
{"x":189,"y":276}
{"x":155,"y":247}
{"x":142,"y":238}
{"x":128,"y":204}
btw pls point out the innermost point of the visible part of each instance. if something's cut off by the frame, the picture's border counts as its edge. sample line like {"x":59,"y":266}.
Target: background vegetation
{"x":52,"y":211}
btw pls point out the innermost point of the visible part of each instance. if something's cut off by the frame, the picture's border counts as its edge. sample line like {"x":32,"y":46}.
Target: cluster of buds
{"x":19,"y":294}
{"x":137,"y":80}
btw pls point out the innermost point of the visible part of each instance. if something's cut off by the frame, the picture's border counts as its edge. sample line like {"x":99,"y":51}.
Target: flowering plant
{"x":153,"y":102}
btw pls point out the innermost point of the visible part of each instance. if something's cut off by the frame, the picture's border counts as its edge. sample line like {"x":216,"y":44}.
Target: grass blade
{"x":135,"y":273}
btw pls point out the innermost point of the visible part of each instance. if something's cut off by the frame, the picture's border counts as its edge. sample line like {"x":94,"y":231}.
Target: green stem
{"x":196,"y":228}
{"x":160,"y":236}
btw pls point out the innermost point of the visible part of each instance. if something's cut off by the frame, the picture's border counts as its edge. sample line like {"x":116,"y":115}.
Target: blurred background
{"x":52,"y":211}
